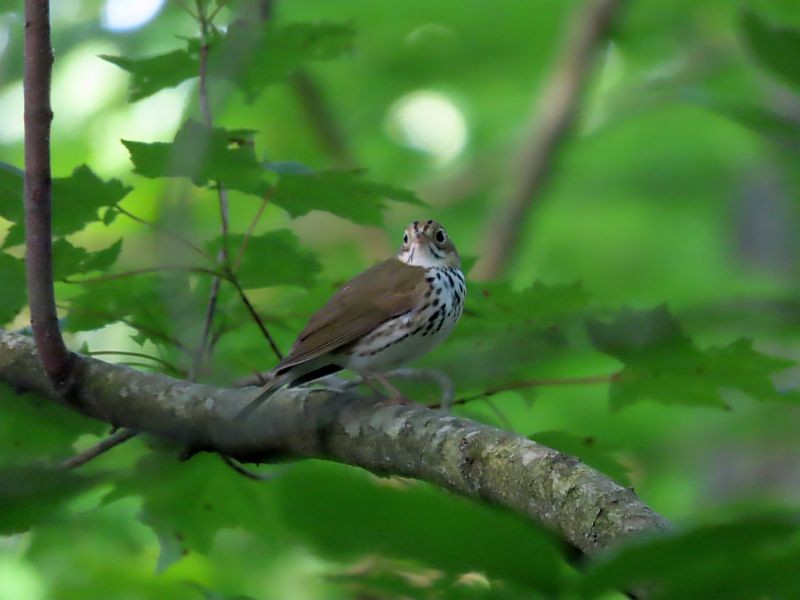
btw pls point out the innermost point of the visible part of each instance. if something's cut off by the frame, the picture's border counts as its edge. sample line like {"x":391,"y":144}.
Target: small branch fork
{"x":533,"y":383}
{"x":53,"y":354}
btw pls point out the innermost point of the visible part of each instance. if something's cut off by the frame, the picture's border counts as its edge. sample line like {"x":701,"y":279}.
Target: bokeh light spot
{"x":127,"y":15}
{"x":430,"y":122}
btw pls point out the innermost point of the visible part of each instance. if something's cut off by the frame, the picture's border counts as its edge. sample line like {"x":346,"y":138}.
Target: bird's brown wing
{"x":387,"y":290}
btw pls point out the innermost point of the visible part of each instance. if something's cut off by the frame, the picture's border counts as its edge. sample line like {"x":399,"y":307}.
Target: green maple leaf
{"x":272,"y":258}
{"x":662,"y":363}
{"x":13,"y":294}
{"x":251,"y":54}
{"x":69,"y":260}
{"x":774,"y":47}
{"x":204,"y":155}
{"x":707,"y":562}
{"x":343,"y":193}
{"x":77,"y":201}
{"x":155,"y":73}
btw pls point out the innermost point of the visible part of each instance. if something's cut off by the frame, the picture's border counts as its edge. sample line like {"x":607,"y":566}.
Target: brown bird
{"x":386,"y":316}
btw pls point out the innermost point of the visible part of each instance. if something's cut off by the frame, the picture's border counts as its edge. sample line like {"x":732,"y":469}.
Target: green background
{"x":678,"y":185}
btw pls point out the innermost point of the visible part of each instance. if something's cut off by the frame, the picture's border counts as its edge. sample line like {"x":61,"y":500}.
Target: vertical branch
{"x":263,"y":10}
{"x":321,"y":119}
{"x":53,"y":354}
{"x":550,"y":124}
{"x":222,"y":194}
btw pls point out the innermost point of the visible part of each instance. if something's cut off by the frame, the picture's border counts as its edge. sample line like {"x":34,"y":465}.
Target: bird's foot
{"x":397,"y":400}
{"x":395,"y":396}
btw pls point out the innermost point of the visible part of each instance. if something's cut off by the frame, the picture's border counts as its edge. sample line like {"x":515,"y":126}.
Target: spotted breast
{"x":414,"y":333}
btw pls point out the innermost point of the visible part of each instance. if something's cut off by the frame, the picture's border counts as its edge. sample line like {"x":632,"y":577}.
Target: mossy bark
{"x":588,"y":509}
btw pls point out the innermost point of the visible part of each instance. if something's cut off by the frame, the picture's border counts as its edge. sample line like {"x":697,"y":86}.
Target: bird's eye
{"x":405,"y":238}
{"x":441,"y":236}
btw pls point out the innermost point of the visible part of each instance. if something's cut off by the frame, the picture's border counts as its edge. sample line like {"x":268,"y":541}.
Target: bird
{"x":388,"y":315}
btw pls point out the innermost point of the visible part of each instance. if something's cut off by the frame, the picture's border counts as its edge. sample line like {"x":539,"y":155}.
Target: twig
{"x":170,"y":234}
{"x":53,"y":354}
{"x":167,"y":365}
{"x":255,"y":315}
{"x":145,"y":271}
{"x":248,"y":473}
{"x":248,"y":234}
{"x":500,"y":414}
{"x":321,"y":118}
{"x":204,"y":348}
{"x":552,"y":119}
{"x":531,"y":383}
{"x":112,"y":441}
{"x":183,"y":5}
{"x":222,"y":256}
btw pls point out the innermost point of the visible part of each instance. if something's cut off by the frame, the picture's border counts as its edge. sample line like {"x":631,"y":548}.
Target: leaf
{"x":69,"y":260}
{"x":12,"y":181}
{"x":341,"y":513}
{"x":381,"y":578}
{"x":38,"y":429}
{"x":407,"y":520}
{"x":540,"y":303}
{"x":203,"y":155}
{"x":273,"y":258}
{"x":32,"y":495}
{"x":758,"y":119}
{"x":528,"y":328}
{"x":13,"y":295}
{"x":190,"y":502}
{"x":78,"y":198}
{"x":595,"y":453}
{"x":775,"y":48}
{"x":155,"y":73}
{"x":170,"y":550}
{"x":662,"y":363}
{"x":253,"y":55}
{"x":250,"y":54}
{"x":754,"y":557}
{"x":161,"y":308}
{"x":76,"y":202}
{"x":343,"y":193}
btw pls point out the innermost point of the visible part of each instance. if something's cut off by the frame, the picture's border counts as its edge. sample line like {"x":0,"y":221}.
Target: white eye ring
{"x":405,"y":238}
{"x":441,"y":236}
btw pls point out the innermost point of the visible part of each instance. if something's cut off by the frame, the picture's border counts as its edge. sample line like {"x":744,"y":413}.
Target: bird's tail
{"x":274,"y":382}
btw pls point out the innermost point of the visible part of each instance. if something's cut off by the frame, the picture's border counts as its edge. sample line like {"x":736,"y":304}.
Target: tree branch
{"x":321,"y":119}
{"x":256,"y":317}
{"x":56,"y":359}
{"x":477,"y":461}
{"x":222,"y":256}
{"x":550,"y":123}
{"x":112,"y":441}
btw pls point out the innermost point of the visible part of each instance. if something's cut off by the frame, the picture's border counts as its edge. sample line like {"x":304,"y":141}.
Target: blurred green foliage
{"x":334,"y":124}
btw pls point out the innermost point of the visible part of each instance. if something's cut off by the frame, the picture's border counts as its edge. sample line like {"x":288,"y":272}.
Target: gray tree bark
{"x":589,"y":510}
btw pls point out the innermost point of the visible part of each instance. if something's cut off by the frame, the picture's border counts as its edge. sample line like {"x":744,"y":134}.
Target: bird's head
{"x":426,"y":244}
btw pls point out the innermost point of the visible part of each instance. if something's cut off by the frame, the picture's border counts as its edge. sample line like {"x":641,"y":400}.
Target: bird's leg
{"x":395,"y":395}
{"x":438,"y":377}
